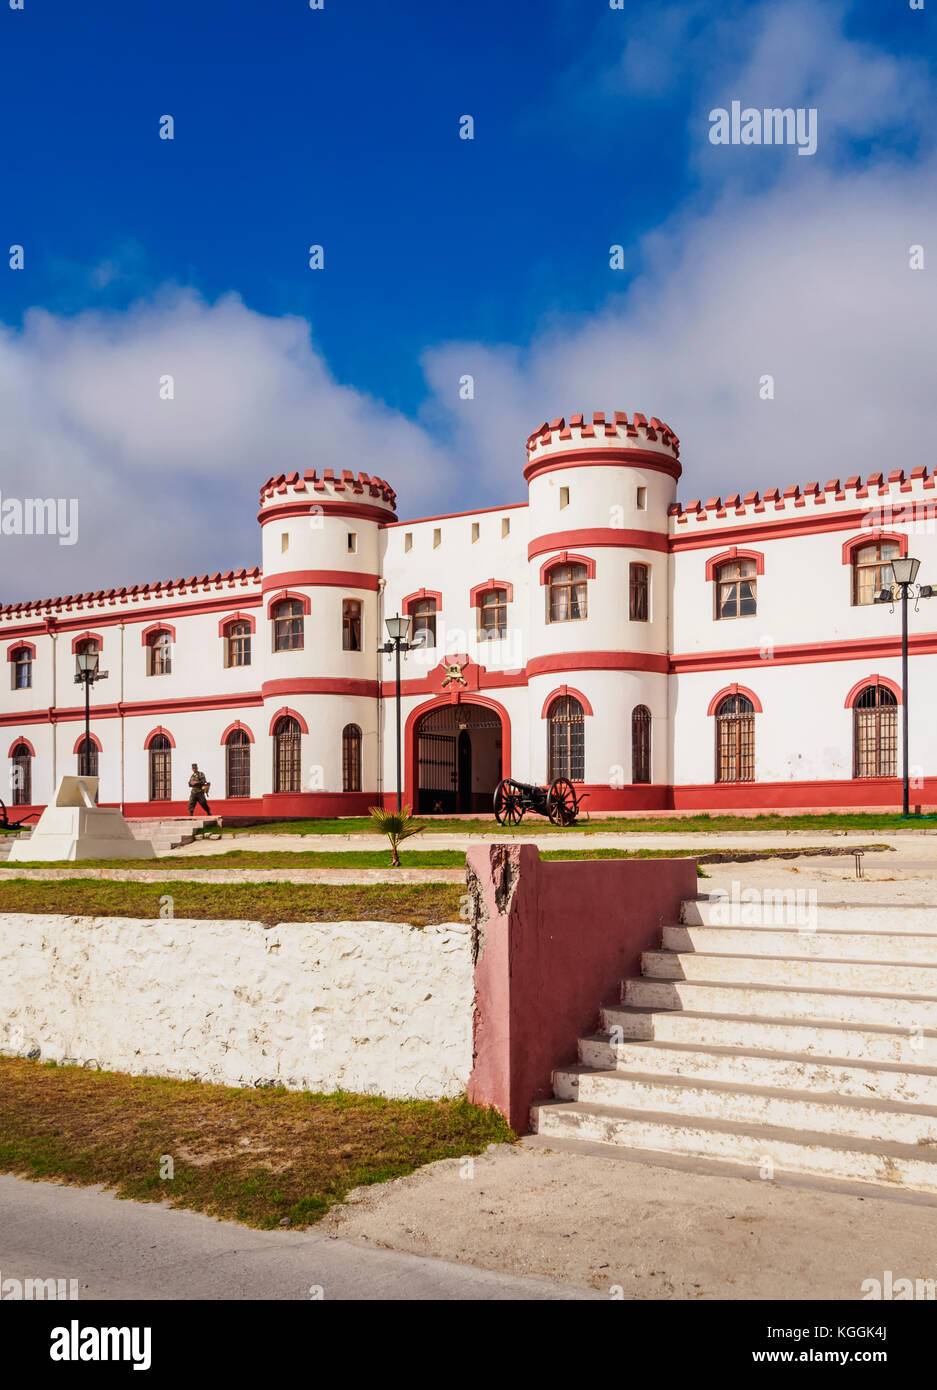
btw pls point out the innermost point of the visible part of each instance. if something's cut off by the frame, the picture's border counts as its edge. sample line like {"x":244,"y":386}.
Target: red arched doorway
{"x":456,"y":754}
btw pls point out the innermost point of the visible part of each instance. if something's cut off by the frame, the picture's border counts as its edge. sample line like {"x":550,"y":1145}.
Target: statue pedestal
{"x":72,"y":827}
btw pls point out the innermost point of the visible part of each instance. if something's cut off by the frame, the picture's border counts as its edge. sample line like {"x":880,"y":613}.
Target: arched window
{"x":351,"y":625}
{"x":423,"y":621}
{"x":640,"y":744}
{"x":875,"y":732}
{"x":351,"y":758}
{"x":88,"y":646}
{"x":871,"y":569}
{"x":87,"y":758}
{"x":638,"y":593}
{"x":566,"y":593}
{"x":21,"y":775}
{"x":735,"y":740}
{"x":287,"y":755}
{"x":288,"y":626}
{"x":159,"y":653}
{"x":567,"y":747}
{"x":160,"y":751}
{"x":736,"y":595}
{"x":493,"y":615}
{"x":21,"y":662}
{"x":237,"y":639}
{"x":238,"y":763}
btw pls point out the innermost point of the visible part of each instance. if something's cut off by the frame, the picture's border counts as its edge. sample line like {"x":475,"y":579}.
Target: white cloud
{"x":171,"y":487}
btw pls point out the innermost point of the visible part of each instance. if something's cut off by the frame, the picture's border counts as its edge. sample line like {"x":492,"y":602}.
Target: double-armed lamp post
{"x":905,"y":572}
{"x":398,"y":630}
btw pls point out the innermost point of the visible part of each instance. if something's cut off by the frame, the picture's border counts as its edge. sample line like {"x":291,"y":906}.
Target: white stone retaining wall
{"x":376,"y":1007}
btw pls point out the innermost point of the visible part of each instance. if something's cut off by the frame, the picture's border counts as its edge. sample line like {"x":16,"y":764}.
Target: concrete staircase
{"x":168,"y":832}
{"x":812,"y":1050}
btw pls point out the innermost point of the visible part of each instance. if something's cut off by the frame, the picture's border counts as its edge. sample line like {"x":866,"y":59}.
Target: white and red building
{"x":715,"y":656}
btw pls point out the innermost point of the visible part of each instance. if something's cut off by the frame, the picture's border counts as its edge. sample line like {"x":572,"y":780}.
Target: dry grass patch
{"x":254,"y":1156}
{"x":420,"y":904}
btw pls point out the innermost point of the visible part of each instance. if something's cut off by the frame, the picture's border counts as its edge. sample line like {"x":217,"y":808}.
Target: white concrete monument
{"x":73,"y":827}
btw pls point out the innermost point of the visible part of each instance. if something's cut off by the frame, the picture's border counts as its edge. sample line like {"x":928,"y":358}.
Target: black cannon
{"x":558,"y":801}
{"x":8,"y":824}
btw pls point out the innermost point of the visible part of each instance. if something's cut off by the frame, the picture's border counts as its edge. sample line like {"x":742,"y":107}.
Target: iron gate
{"x":437,"y":755}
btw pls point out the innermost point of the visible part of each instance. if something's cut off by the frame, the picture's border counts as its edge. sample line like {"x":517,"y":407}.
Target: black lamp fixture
{"x":398,"y":631}
{"x":86,"y":675}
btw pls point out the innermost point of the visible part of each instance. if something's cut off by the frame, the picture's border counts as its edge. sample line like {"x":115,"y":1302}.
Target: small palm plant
{"x":397,"y":826}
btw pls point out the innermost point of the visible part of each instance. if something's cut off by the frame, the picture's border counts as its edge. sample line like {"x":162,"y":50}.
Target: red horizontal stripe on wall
{"x":314,"y":508}
{"x":339,"y":579}
{"x":856,"y":649}
{"x":144,"y":709}
{"x":711,"y":534}
{"x":602,"y":458}
{"x":320,"y":685}
{"x":145,"y":613}
{"x":599,"y":535}
{"x":597,"y":661}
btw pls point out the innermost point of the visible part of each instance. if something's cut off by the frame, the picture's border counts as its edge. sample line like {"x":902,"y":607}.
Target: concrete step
{"x":878,"y":977}
{"x":749,"y":1145}
{"x":893,"y":946}
{"x":789,"y":1070}
{"x":846,"y":1117}
{"x":867,"y":1042}
{"x":852,"y":917}
{"x":912,"y":1012}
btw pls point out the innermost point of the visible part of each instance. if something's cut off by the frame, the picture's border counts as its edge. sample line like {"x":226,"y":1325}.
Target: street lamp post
{"x":398,"y":629}
{"x":86,"y":675}
{"x":905,"y":571}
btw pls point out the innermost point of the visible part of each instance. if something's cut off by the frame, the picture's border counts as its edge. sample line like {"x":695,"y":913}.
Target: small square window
{"x":505,"y":526}
{"x":437,"y":538}
{"x":352,"y":542}
{"x":408,"y":540}
{"x":642,"y":499}
{"x":564,"y":497}
{"x":476,"y":531}
{"x":284,"y":541}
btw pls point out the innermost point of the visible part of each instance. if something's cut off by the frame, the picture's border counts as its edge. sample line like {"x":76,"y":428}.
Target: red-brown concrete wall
{"x":554,"y":940}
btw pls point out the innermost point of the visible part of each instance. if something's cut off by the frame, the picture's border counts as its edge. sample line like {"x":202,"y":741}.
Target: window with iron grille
{"x":875,"y":733}
{"x":21,"y":775}
{"x":287,"y":755}
{"x":160,"y":653}
{"x":566,"y":593}
{"x":735,"y":740}
{"x":638,"y":586}
{"x":736,"y":595}
{"x":351,"y":758}
{"x":238,"y":640}
{"x":641,"y":744}
{"x":87,"y":758}
{"x":493,"y":615}
{"x":160,"y":768}
{"x":351,"y":625}
{"x":567,"y":740}
{"x":238,"y":763}
{"x":871,"y":569}
{"x":288,"y":626}
{"x":22,"y":665}
{"x":423,"y":621}
{"x":88,"y":647}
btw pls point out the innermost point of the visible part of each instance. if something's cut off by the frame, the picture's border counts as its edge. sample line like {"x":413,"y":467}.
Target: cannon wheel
{"x":509,"y":809}
{"x":562,"y":802}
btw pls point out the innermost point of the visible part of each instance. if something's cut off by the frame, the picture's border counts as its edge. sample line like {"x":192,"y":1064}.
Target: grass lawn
{"x":254,"y":1156}
{"x":416,"y":859}
{"x":363,"y":825}
{"x":420,"y":904}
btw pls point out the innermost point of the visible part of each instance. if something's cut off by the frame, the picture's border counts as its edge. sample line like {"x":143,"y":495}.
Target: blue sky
{"x":443,"y":256}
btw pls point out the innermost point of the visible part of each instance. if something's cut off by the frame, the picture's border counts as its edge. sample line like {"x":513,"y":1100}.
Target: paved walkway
{"x":121,"y":1249}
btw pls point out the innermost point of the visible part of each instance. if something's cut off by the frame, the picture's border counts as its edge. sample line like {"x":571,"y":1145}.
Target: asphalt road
{"x":132,"y":1250}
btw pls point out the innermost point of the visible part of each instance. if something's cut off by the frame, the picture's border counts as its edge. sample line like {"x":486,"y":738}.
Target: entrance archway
{"x":457,"y":753}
